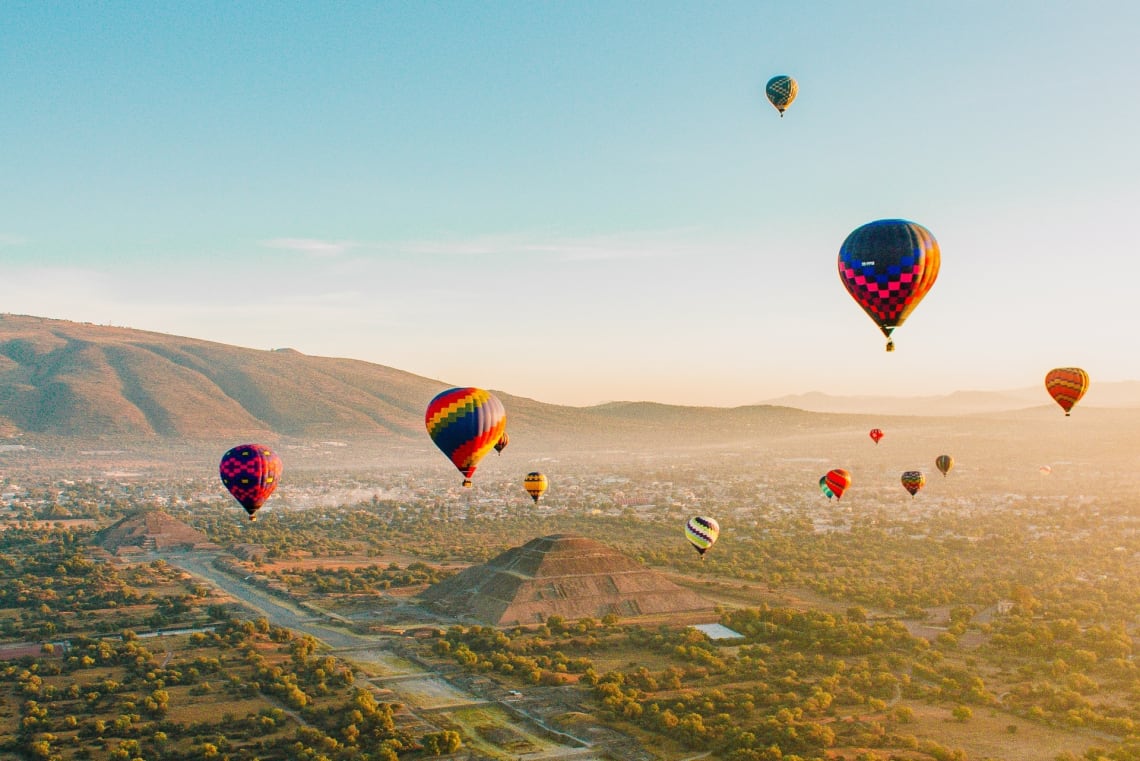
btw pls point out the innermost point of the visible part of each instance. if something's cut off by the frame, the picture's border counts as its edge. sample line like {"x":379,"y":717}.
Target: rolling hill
{"x":85,"y":381}
{"x":95,"y":382}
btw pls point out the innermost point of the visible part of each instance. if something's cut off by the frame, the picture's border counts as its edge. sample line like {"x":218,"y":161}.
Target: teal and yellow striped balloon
{"x":944,"y":463}
{"x":781,"y":91}
{"x":702,"y":533}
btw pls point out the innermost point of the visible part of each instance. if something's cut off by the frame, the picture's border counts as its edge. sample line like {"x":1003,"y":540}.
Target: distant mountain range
{"x":1101,"y":394}
{"x":85,"y":381}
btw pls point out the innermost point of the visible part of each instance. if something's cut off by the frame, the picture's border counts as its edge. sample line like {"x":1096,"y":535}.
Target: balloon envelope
{"x":1066,"y":385}
{"x":823,"y":487}
{"x":501,"y":444}
{"x":702,"y":533}
{"x":944,"y":463}
{"x":913,"y":480}
{"x":465,"y":423}
{"x":888,"y":266}
{"x":251,"y":473}
{"x":781,"y":91}
{"x":535,"y":485}
{"x":838,"y":480}
{"x":876,"y":435}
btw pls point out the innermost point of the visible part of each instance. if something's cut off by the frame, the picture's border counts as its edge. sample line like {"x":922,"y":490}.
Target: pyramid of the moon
{"x":559,"y":575}
{"x":152,"y":530}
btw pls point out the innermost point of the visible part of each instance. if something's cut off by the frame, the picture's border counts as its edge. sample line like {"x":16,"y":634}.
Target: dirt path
{"x":369,"y":650}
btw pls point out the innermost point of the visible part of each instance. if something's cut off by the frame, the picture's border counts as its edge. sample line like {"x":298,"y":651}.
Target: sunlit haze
{"x":580,"y":202}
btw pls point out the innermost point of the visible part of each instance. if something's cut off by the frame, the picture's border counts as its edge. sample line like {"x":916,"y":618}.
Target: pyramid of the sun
{"x":151,"y":530}
{"x":559,"y":575}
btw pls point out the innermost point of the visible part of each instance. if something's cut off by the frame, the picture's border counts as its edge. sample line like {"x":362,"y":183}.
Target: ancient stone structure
{"x":559,"y":575}
{"x":151,"y":531}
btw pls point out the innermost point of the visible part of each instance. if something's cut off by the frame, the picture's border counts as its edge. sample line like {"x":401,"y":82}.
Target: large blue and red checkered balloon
{"x":251,"y":473}
{"x":466,"y":424}
{"x":888,"y":266}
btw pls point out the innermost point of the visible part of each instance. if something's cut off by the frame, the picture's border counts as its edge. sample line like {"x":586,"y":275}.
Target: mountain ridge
{"x":85,"y":381}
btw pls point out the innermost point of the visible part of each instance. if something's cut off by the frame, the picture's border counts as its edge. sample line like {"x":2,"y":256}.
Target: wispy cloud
{"x":311,"y":246}
{"x":12,"y":240}
{"x":568,"y":249}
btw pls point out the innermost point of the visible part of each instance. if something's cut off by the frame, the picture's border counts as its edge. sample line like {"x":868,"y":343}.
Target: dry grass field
{"x":492,"y":732}
{"x":987,"y":735}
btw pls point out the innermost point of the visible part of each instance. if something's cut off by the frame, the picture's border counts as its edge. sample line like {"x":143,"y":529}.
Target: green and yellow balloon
{"x":702,"y":533}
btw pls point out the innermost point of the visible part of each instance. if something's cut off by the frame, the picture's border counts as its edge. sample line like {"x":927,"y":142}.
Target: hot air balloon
{"x":1066,"y":385}
{"x":888,"y":266}
{"x":781,"y":91}
{"x":838,"y":480}
{"x":823,"y":487}
{"x":702,"y":533}
{"x":501,"y":444}
{"x":944,"y":463}
{"x":913,"y":480}
{"x":1045,"y":470}
{"x":535,"y":485}
{"x":876,"y":435}
{"x":465,"y":423}
{"x":251,"y":473}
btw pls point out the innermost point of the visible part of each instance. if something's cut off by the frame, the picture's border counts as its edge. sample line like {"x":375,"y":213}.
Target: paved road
{"x":279,"y":612}
{"x":284,"y":614}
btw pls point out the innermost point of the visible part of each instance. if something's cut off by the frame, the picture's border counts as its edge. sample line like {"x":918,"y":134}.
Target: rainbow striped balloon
{"x":1066,"y":385}
{"x":465,"y":423}
{"x":702,"y":533}
{"x":913,"y":480}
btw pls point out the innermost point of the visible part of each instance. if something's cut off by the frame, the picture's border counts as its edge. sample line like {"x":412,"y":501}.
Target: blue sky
{"x":580,"y":201}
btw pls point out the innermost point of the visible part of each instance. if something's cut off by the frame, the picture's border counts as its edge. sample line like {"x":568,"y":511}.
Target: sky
{"x":581,"y":201}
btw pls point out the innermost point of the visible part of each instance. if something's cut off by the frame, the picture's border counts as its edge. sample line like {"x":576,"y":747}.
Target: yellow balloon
{"x":535,"y":485}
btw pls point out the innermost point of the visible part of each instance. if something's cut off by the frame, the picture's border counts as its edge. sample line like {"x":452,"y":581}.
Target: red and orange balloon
{"x":1066,"y":385}
{"x":838,"y":480}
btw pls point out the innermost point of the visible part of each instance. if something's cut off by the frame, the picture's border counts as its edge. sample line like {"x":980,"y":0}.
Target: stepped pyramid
{"x":154,"y":530}
{"x":559,"y":575}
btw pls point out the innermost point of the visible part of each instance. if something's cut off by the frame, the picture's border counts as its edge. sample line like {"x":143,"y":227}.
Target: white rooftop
{"x":718,"y":631}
